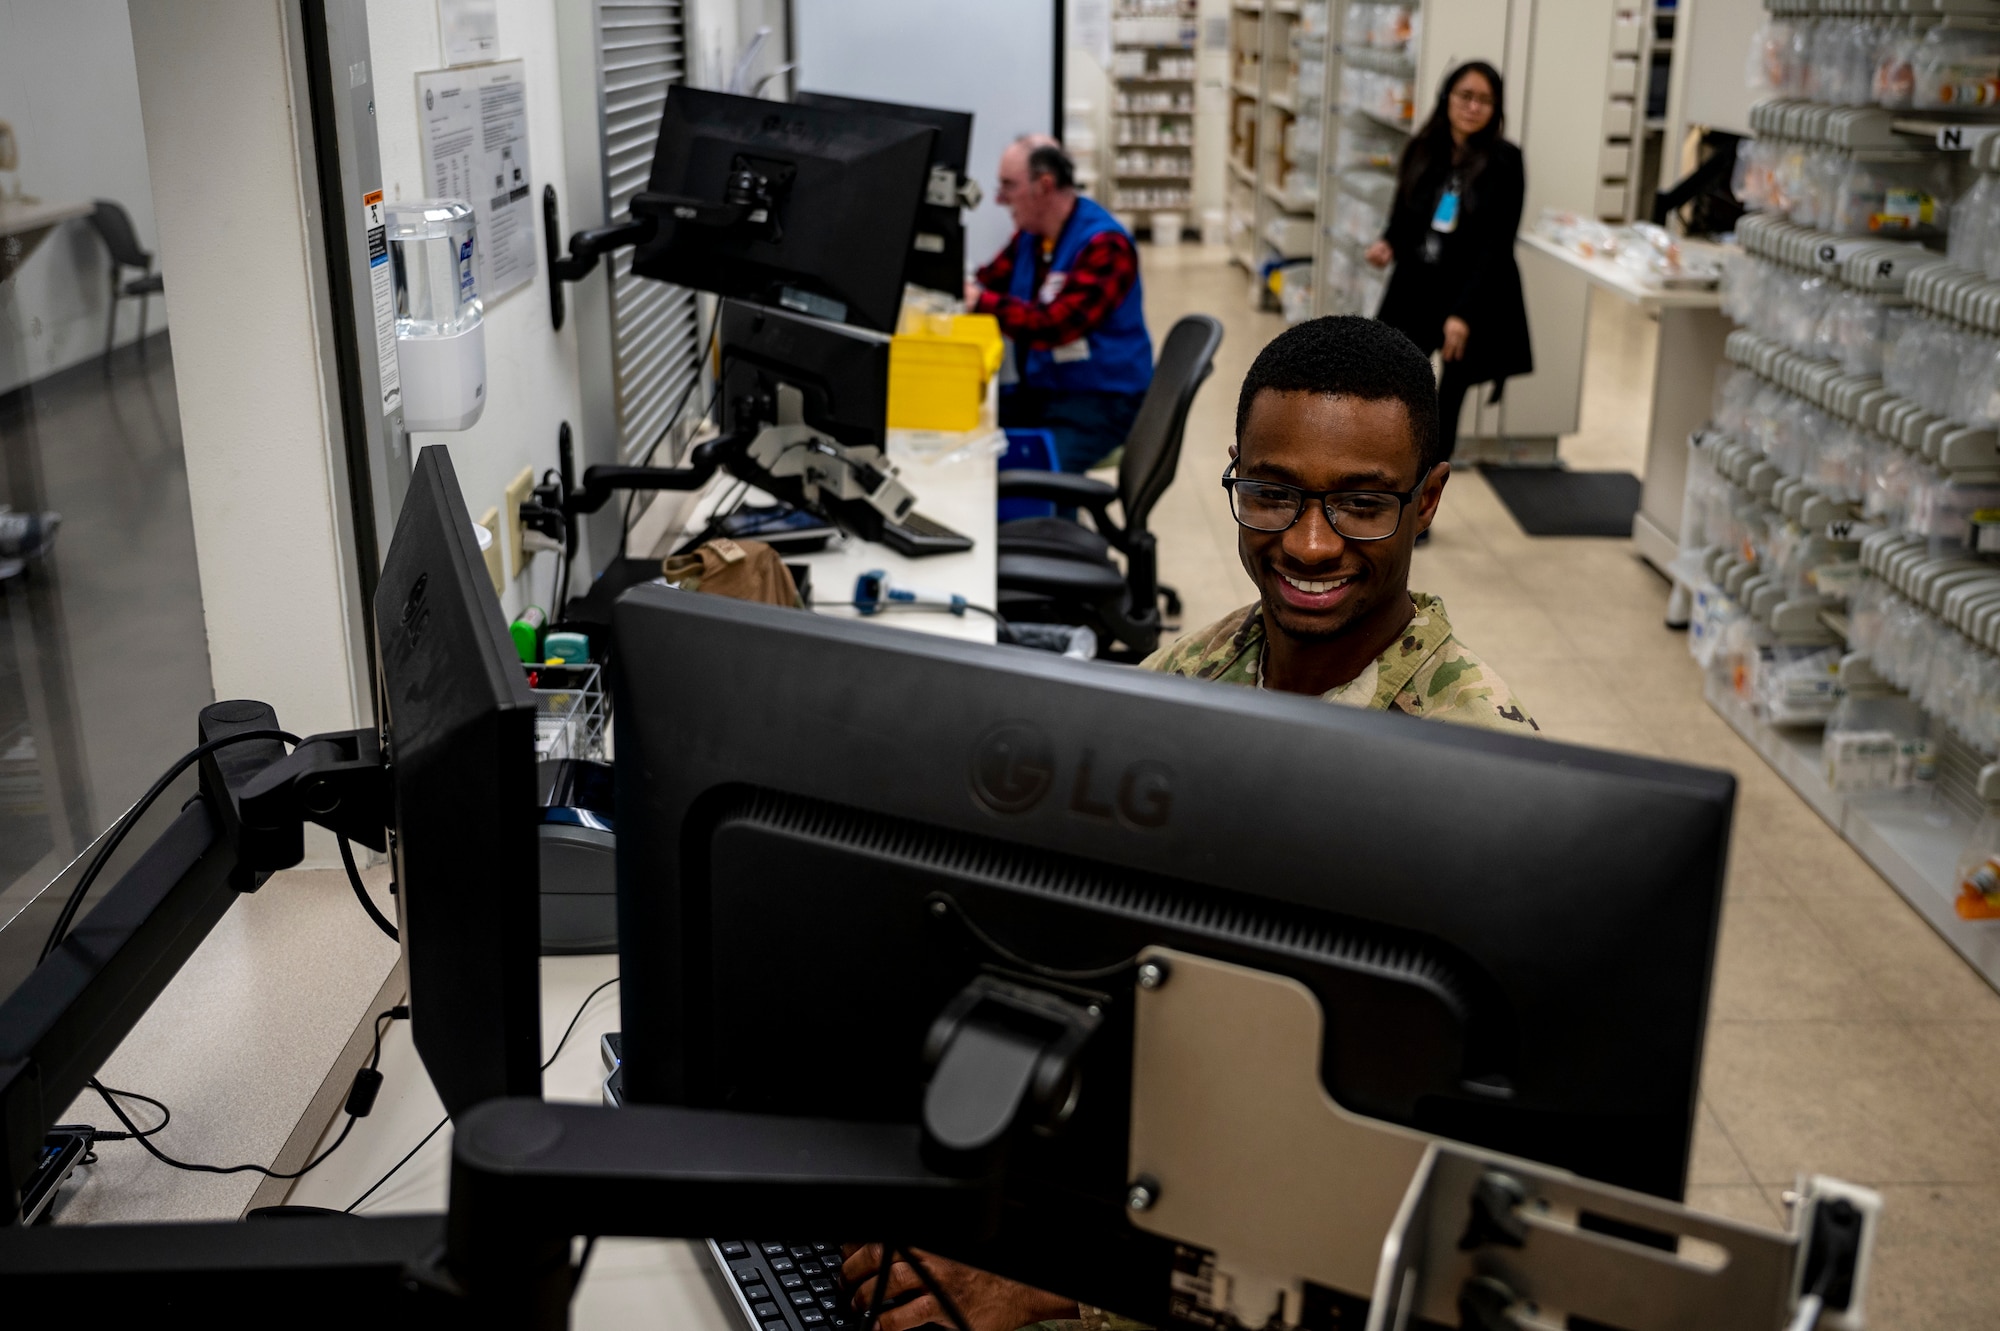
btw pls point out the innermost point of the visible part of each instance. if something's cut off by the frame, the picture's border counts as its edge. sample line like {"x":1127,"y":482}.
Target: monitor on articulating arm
{"x":802,"y":218}
{"x":937,"y":251}
{"x":831,"y":846}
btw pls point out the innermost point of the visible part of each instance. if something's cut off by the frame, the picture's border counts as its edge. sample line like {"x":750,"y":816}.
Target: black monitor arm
{"x":746,"y":201}
{"x":528,"y":1175}
{"x":602,"y":482}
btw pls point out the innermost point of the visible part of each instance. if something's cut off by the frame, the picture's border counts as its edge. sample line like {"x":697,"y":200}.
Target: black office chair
{"x":114,"y":227}
{"x":1052,"y":570}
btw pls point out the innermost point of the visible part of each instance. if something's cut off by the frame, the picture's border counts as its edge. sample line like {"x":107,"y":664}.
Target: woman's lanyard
{"x":1444,"y":219}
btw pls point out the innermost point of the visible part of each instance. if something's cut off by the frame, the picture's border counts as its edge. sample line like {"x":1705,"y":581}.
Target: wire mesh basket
{"x":569,"y":711}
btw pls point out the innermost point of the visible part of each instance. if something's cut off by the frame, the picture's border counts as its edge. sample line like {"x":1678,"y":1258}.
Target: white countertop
{"x":955,"y":479}
{"x":1621,"y":282}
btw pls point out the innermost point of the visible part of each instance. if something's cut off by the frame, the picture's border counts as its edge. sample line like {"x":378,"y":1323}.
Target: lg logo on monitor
{"x":1014,"y":767}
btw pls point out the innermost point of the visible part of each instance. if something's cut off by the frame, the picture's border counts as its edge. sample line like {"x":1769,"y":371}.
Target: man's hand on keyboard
{"x":988,"y":1302}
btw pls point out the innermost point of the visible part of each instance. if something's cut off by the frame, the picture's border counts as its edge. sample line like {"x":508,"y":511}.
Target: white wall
{"x":218,"y":108}
{"x":995,"y":60}
{"x":1711,"y":41}
{"x":531,"y":370}
{"x":68,"y":87}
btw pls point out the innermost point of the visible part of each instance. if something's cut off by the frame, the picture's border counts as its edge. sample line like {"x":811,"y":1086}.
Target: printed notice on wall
{"x":475,"y":147}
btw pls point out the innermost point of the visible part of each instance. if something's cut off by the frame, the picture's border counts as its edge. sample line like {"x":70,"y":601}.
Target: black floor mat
{"x":1549,"y":501}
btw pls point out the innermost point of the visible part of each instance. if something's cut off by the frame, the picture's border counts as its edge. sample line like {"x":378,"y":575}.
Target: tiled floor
{"x":1845,"y":1037}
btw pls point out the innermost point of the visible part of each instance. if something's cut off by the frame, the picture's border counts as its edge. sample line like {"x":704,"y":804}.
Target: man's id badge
{"x":1052,"y":286}
{"x":1069,"y":353}
{"x":1445,"y":219}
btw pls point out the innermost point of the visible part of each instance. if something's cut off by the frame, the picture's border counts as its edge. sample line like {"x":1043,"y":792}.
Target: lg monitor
{"x":937,"y":251}
{"x":828,"y":829}
{"x":800,"y":207}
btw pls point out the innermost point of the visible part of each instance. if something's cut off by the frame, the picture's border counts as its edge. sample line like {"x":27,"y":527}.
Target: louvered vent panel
{"x":641,"y":52}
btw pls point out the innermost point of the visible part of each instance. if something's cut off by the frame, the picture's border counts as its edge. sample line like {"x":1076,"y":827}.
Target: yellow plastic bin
{"x":983,"y":329}
{"x":935,"y":383}
{"x":938,"y":371}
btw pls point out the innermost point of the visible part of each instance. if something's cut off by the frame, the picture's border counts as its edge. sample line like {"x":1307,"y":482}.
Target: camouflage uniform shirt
{"x":1426,"y":672}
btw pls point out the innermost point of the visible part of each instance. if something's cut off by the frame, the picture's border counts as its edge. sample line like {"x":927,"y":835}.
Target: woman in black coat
{"x":1451,"y":235}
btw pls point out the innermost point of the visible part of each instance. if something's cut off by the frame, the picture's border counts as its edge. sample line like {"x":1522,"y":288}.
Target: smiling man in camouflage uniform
{"x":1336,"y":470}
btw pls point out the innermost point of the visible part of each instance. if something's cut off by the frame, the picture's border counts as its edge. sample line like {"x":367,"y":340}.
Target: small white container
{"x":1214,"y":226}
{"x":1167,"y":228}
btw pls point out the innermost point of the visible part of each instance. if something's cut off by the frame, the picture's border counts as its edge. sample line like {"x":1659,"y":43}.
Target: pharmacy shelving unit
{"x":1914,"y":840}
{"x":1629,"y":156}
{"x":1290,"y":143}
{"x":1152,"y":162}
{"x":1246,"y":103}
{"x":1369,"y":92}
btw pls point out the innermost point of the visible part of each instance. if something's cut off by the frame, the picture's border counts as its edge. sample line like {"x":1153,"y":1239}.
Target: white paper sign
{"x":1090,"y":29}
{"x":471,"y":30}
{"x":475,"y":147}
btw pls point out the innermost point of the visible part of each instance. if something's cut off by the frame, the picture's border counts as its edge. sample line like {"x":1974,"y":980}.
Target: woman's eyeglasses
{"x":1357,"y":515}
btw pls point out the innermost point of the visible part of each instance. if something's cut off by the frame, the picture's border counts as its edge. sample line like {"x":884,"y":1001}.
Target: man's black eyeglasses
{"x":1357,"y":515}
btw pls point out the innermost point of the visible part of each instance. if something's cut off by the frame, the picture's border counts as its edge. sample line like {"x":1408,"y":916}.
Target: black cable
{"x":879,"y":1302}
{"x":132,"y":816}
{"x":571,"y":1028}
{"x":166,"y":1116}
{"x":349,"y":1208}
{"x":937,"y":1291}
{"x":1015,"y":959}
{"x":361,"y":892}
{"x":439,"y":1125}
{"x":949,"y":607}
{"x":135,"y":1134}
{"x":583,"y":1262}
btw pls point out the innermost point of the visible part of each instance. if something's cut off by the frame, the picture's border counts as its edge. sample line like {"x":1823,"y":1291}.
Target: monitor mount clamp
{"x":749,"y":203}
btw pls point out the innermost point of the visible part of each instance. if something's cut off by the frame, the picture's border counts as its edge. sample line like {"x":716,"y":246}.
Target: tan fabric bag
{"x":745,"y":570}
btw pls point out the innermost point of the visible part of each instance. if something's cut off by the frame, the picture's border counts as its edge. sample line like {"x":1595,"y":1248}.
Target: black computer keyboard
{"x":917,"y":535}
{"x":786,"y":1286}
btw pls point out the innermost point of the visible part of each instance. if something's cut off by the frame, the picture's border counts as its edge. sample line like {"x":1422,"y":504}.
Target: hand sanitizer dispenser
{"x":440,"y":328}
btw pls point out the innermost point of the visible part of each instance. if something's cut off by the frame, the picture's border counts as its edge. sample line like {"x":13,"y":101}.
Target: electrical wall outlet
{"x":490,"y":520}
{"x":519,"y":491}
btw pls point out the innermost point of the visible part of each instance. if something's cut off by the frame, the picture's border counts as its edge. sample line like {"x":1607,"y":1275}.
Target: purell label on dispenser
{"x":382,"y":290}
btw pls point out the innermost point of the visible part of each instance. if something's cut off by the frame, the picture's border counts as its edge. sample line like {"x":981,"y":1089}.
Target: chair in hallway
{"x":1056,"y":570}
{"x":114,"y":227}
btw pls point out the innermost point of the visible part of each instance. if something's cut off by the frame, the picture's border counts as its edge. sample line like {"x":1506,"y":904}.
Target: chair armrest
{"x":1063,"y":487}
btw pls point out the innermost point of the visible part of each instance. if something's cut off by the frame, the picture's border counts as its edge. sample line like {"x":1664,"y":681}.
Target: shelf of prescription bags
{"x":1913,"y":842}
{"x":1620,"y":281}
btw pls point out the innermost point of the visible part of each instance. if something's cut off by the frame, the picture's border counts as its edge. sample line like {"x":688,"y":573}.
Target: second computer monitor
{"x":937,"y":252}
{"x":458,"y":722}
{"x":828,"y":828}
{"x":843,"y":194}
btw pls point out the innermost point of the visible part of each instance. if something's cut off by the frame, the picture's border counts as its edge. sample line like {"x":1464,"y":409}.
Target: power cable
{"x":131,"y":817}
{"x":360,"y":1099}
{"x":439,"y":1125}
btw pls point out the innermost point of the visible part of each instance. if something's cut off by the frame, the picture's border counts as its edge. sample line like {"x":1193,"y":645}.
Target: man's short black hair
{"x":1048,"y":160}
{"x":1347,"y":356}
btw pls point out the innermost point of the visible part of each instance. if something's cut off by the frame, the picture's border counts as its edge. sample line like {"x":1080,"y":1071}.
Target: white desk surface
{"x":1620,"y":282}
{"x":955,"y":479}
{"x":18,"y":215}
{"x":630,"y":1282}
